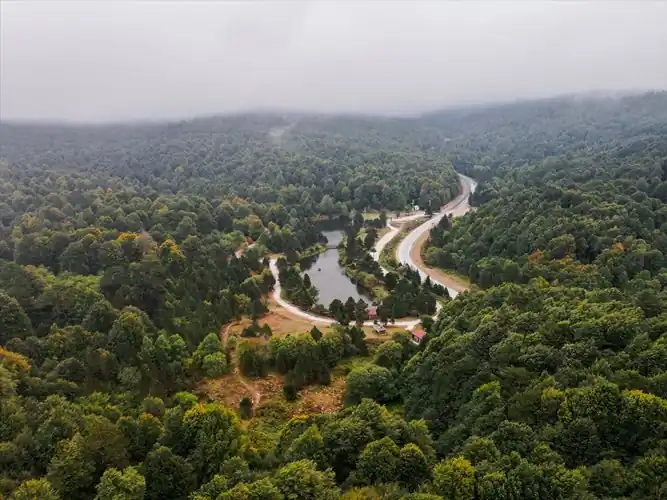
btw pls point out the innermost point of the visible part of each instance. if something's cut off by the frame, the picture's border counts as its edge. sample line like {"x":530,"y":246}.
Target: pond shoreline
{"x":373,"y":293}
{"x":330,"y":277}
{"x":407,"y":323}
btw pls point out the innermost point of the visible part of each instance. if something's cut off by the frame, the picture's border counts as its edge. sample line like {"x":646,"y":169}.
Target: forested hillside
{"x":596,"y":205}
{"x":551,"y":380}
{"x":149,"y":216}
{"x":241,"y":157}
{"x":118,"y":270}
{"x":487,"y":142}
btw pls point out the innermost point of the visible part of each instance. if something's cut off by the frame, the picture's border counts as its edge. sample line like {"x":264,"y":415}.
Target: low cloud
{"x":99,"y":61}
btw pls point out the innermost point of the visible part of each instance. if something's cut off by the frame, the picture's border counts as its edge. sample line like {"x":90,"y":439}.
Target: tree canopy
{"x":120,"y":262}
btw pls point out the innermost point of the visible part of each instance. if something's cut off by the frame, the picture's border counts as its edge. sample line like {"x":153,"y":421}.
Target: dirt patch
{"x":280,"y":321}
{"x":225,"y":331}
{"x":321,"y":399}
{"x":450,"y":281}
{"x":233,"y":387}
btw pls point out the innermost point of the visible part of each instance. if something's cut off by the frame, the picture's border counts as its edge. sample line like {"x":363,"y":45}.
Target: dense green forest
{"x":546,"y":381}
{"x":555,"y":370}
{"x":602,"y":207}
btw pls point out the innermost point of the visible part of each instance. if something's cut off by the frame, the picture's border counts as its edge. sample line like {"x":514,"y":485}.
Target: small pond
{"x":329,"y":277}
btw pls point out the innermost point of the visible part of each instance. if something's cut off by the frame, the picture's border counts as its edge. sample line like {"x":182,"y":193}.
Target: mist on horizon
{"x":116,"y":61}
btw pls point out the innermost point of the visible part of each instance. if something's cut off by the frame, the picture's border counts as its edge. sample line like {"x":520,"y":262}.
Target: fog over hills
{"x":115,"y":61}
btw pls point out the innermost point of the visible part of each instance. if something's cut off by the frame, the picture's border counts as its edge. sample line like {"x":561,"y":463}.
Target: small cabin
{"x":417,"y":336}
{"x":379,"y":328}
{"x":372,"y":312}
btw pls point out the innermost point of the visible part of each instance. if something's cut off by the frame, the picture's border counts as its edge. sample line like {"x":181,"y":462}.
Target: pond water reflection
{"x":329,"y":277}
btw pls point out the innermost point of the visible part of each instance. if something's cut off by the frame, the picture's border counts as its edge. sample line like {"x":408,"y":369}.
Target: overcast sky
{"x":98,"y":61}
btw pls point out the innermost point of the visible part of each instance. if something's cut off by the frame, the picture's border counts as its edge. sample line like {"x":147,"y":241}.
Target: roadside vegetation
{"x":388,"y":258}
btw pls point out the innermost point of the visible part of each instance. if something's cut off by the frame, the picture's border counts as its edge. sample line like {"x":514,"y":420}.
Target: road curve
{"x":457,"y":207}
{"x":273,"y":265}
{"x":390,"y":235}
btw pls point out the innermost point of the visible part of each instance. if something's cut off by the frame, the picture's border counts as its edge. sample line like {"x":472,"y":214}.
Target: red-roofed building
{"x":372,"y":312}
{"x":418,"y":336}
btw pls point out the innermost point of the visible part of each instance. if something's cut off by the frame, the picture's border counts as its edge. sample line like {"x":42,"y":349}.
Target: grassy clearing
{"x":272,"y":412}
{"x":280,"y":321}
{"x":380,"y":233}
{"x":232,"y":387}
{"x":370,"y":215}
{"x":321,"y":399}
{"x":315,"y":399}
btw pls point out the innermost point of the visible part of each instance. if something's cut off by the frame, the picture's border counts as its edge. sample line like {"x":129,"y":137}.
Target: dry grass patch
{"x":230,"y":389}
{"x":321,"y":398}
{"x":233,"y":387}
{"x":382,"y":232}
{"x":280,"y":321}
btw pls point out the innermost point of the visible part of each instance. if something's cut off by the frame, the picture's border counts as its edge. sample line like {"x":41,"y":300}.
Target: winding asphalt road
{"x":390,"y":235}
{"x":458,"y":206}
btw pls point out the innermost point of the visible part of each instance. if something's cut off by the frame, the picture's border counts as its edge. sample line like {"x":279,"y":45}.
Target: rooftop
{"x":420,"y":334}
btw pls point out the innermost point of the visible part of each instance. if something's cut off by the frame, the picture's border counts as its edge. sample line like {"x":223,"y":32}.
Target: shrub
{"x":370,"y":381}
{"x":215,"y":365}
{"x":245,"y":407}
{"x":290,"y":392}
